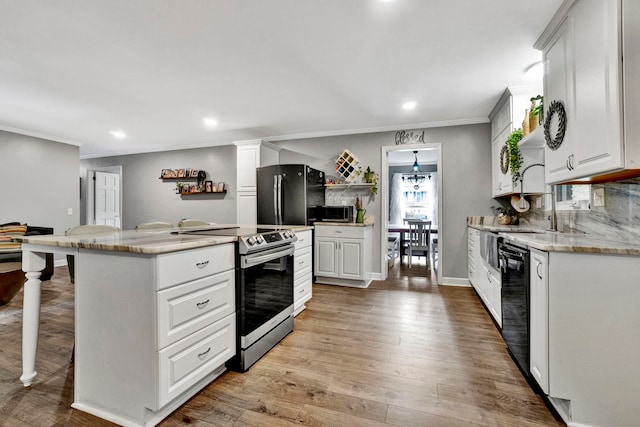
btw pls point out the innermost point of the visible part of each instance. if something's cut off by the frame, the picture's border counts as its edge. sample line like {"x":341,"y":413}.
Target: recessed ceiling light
{"x":118,"y":134}
{"x":210,"y":122}
{"x":410,"y":105}
{"x":535,"y":71}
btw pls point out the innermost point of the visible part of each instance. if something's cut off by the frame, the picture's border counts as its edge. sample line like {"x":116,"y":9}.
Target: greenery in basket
{"x":370,"y":177}
{"x":515,"y":157}
{"x":539,"y":108}
{"x":508,"y":210}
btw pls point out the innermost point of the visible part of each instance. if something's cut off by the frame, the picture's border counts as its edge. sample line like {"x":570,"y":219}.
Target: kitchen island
{"x":154,"y":318}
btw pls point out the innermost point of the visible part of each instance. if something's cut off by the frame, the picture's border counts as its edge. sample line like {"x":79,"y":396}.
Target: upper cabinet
{"x":249,"y":156}
{"x":590,"y":95}
{"x":505,"y":117}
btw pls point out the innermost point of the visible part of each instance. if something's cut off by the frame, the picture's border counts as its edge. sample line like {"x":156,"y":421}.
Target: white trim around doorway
{"x":384,"y":185}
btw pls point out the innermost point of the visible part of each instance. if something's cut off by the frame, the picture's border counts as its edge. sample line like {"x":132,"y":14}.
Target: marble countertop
{"x":572,"y":242}
{"x":141,"y":242}
{"x":507,"y":228}
{"x":368,"y":222}
{"x":147,"y":241}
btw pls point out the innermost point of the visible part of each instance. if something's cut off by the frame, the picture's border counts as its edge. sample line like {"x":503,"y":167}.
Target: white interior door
{"x":107,"y":199}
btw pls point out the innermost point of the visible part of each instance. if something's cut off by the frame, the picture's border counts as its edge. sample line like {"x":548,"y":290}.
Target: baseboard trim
{"x":455,"y":281}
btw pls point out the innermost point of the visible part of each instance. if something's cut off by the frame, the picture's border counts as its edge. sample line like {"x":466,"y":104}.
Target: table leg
{"x":32,"y":264}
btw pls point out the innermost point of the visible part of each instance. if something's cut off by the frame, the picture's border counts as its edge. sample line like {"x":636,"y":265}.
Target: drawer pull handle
{"x":202,"y":264}
{"x":202,"y":304}
{"x":301,"y":262}
{"x":203,"y":355}
{"x":302,"y":291}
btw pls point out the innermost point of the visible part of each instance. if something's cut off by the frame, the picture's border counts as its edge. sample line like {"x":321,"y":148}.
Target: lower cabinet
{"x":584,"y":339}
{"x":539,"y":319}
{"x":302,"y":271}
{"x":151,"y":330}
{"x":343,"y":255}
{"x":486,"y":281}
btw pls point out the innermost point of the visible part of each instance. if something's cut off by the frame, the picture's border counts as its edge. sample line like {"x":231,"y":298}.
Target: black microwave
{"x":337,"y":213}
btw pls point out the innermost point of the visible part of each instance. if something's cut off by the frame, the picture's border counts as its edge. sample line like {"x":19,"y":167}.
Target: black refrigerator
{"x":289,"y":194}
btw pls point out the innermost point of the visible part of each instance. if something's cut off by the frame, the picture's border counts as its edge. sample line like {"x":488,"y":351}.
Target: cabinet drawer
{"x":340,"y":231}
{"x":302,"y":260}
{"x":187,"y":308}
{"x":181,"y":267}
{"x":188,"y":361}
{"x":302,"y":289}
{"x":304,"y":239}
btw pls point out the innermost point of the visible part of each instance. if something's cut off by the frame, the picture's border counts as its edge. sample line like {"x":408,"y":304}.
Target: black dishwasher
{"x":514,"y":265}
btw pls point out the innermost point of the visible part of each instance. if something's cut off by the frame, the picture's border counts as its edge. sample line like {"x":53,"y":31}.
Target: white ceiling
{"x":73,"y":70}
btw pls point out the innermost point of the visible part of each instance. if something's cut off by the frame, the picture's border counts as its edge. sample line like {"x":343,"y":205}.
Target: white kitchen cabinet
{"x":486,"y":281}
{"x":473,"y":260}
{"x":249,"y":156}
{"x":583,"y":49}
{"x":494,"y":295}
{"x":506,"y":116}
{"x":592,"y":343}
{"x":302,"y":271}
{"x":343,"y":255}
{"x":502,"y":182}
{"x":539,"y":319}
{"x":151,"y":331}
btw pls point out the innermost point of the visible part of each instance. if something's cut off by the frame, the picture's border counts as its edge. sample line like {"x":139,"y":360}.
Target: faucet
{"x":553,"y":225}
{"x":554,"y":219}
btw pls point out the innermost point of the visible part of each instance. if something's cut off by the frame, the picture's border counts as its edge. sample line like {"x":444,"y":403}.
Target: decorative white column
{"x":32,"y":264}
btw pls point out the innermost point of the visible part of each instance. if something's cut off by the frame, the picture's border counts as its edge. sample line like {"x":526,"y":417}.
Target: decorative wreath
{"x":556,"y":107}
{"x":504,"y":159}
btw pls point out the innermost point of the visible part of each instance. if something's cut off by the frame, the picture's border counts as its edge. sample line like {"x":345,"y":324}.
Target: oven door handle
{"x":247,"y":261}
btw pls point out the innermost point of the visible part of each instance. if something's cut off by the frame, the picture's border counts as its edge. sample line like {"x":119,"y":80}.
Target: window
{"x":573,"y":197}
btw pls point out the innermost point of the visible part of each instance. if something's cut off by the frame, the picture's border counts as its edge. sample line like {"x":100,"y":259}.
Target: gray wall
{"x":40,"y":182}
{"x":466,"y":182}
{"x":147,"y":198}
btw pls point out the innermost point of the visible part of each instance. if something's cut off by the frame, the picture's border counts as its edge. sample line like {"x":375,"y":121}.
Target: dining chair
{"x":154,"y":226}
{"x":419,"y":239}
{"x":192,"y":223}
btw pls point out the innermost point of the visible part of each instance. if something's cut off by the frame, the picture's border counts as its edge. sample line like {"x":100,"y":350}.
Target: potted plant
{"x":515,"y":157}
{"x":536,"y":114}
{"x":370,"y":177}
{"x":505,"y":215}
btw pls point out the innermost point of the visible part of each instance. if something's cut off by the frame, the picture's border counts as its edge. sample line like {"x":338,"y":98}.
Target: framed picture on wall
{"x":181,"y":173}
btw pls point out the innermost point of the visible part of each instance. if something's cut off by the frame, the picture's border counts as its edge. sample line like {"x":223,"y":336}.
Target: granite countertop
{"x":507,"y":228}
{"x":148,"y":241}
{"x":368,"y":222}
{"x":141,"y":242}
{"x":573,"y":242}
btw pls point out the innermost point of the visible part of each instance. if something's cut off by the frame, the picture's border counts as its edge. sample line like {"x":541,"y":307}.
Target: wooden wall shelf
{"x":200,"y":193}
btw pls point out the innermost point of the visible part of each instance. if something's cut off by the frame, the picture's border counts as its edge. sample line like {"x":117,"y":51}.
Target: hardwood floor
{"x":404,"y":352}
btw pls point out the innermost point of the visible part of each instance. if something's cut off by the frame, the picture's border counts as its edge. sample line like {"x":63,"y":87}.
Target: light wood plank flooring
{"x":403,"y":352}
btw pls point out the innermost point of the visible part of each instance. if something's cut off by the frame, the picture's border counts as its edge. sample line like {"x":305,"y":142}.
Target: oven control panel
{"x":266,"y":240}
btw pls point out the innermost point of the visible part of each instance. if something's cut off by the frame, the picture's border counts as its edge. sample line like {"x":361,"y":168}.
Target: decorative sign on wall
{"x":405,"y":138}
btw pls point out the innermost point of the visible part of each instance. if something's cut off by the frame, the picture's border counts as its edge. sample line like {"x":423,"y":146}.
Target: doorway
{"x":394,"y":158}
{"x":104,"y":196}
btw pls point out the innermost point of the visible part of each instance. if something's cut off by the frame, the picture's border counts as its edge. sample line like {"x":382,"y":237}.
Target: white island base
{"x":151,"y":329}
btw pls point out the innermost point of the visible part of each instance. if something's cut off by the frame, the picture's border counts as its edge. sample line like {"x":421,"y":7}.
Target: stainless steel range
{"x":264,"y":289}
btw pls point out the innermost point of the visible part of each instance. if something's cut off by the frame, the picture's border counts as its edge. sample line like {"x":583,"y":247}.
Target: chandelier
{"x":415,"y":177}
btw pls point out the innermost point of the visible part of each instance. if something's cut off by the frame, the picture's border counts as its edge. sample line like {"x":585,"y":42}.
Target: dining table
{"x":403,"y":230}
